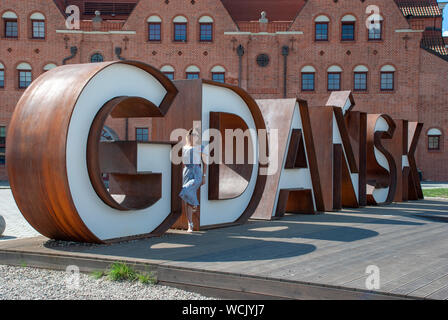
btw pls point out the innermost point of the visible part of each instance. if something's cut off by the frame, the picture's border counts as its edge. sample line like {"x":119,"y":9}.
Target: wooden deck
{"x":331,"y":251}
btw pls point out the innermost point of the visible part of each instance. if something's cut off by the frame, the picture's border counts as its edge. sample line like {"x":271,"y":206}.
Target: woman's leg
{"x":190,"y":217}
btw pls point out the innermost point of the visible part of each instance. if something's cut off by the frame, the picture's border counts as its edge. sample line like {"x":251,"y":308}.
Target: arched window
{"x":206,"y":29}
{"x":375,"y":27}
{"x":334,"y":78}
{"x":321,"y":28}
{"x":308,"y":76}
{"x":10,"y":24}
{"x":387,"y":78}
{"x":37,"y":25}
{"x":2,"y":75}
{"x":96,"y":57}
{"x":348,"y":28}
{"x":154,"y":28}
{"x":219,"y":74}
{"x":360,"y":78}
{"x":25,"y":75}
{"x":49,"y":66}
{"x":434,"y":138}
{"x":180,"y":29}
{"x":193,"y":72}
{"x":168,"y":71}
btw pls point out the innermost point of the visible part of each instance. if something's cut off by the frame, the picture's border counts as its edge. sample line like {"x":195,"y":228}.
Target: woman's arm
{"x":204,"y":167}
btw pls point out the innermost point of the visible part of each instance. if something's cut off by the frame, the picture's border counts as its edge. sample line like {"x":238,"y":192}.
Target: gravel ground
{"x":18,"y":283}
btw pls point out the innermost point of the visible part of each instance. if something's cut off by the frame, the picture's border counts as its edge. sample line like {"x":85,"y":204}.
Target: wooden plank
{"x":436,"y":289}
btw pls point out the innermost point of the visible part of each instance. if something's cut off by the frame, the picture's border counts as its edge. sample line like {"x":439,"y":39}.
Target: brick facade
{"x":419,"y":78}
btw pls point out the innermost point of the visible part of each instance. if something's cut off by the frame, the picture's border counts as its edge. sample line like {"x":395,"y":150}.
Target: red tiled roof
{"x":110,"y":9}
{"x":419,"y":8}
{"x":250,"y":10}
{"x":433,"y":40}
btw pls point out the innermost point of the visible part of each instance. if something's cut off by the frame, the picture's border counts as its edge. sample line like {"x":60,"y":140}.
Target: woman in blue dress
{"x":193,"y":174}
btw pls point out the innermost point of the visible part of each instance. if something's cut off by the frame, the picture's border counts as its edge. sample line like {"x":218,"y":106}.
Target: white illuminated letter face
{"x":381,"y":166}
{"x":101,"y":219}
{"x":295,"y":177}
{"x":347,"y":172}
{"x":218,"y":100}
{"x":380,"y":193}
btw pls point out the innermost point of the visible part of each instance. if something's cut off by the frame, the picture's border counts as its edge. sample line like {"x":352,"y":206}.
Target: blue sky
{"x":445,"y":17}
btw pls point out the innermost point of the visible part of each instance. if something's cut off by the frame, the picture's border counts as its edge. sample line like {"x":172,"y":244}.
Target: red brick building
{"x":398,"y":66}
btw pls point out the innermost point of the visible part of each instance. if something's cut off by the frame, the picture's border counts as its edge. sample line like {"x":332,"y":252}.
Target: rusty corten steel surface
{"x":296,"y":157}
{"x":339,"y":99}
{"x":260,"y":125}
{"x":377,"y":176}
{"x":126,"y":183}
{"x":323,"y":144}
{"x":415,"y":189}
{"x":356,"y":123}
{"x":395,"y":148}
{"x":37,"y":137}
{"x":189,"y":104}
{"x":229,"y":180}
{"x":334,"y":171}
{"x":296,"y":200}
{"x":347,"y":194}
{"x":278,"y":114}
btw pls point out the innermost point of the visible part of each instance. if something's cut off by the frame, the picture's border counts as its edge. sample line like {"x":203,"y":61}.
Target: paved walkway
{"x":406,"y":241}
{"x":433,"y":185}
{"x":16,"y":225}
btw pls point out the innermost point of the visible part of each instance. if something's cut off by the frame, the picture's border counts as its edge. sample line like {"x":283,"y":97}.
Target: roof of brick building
{"x":279,"y":10}
{"x":109,"y":9}
{"x":419,"y":8}
{"x":433,"y":41}
{"x":240,"y":10}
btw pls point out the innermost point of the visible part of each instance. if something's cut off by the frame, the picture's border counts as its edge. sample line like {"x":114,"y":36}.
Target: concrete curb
{"x":211,"y":283}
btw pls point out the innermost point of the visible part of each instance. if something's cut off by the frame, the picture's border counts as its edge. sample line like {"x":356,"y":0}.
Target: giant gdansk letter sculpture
{"x":327,"y":157}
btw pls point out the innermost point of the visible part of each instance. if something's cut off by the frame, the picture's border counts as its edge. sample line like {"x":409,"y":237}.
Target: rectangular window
{"x":206,"y":32}
{"x":321,"y":31}
{"x":433,"y":142}
{"x":169,"y":75}
{"x":307,"y":81}
{"x":334,"y":81}
{"x":180,"y":32}
{"x":2,"y":78}
{"x":11,"y":29}
{"x":219,"y":77}
{"x":154,"y":32}
{"x":38,"y":29}
{"x":360,"y":79}
{"x":192,"y":75}
{"x":2,"y":145}
{"x":25,"y":79}
{"x":387,"y":81}
{"x":141,"y":134}
{"x":348,"y":31}
{"x":375,"y":31}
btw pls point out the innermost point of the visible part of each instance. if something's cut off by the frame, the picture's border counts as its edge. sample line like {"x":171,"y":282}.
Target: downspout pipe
{"x":73,"y":52}
{"x":285,"y":53}
{"x":240,"y":53}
